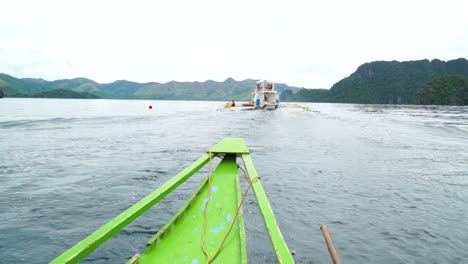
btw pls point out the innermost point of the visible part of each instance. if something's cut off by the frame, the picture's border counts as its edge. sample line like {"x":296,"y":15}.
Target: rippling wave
{"x":390,"y":181}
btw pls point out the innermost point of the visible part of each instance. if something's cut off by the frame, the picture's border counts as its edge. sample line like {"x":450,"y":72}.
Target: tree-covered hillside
{"x":230,"y":89}
{"x":393,"y":82}
{"x":306,"y":95}
{"x":385,"y":82}
{"x":445,"y":90}
{"x":62,"y":93}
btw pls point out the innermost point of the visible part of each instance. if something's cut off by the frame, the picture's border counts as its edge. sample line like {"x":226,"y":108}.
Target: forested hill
{"x":386,"y":82}
{"x":230,"y":89}
{"x":393,"y":82}
{"x":445,"y":90}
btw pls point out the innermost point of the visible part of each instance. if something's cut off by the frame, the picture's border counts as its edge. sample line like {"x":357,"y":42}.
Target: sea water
{"x":389,"y":181}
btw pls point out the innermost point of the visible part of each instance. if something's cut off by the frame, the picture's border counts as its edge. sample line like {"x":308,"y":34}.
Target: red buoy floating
{"x":150,"y":107}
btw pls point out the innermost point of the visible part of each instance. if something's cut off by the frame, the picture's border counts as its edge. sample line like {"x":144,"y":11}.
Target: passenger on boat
{"x":233,"y":104}
{"x":258,"y":87}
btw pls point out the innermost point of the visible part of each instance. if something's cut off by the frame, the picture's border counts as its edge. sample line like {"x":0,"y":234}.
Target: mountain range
{"x":378,"y":82}
{"x":230,"y":89}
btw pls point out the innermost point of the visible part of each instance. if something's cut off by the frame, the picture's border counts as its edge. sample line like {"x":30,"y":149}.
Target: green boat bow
{"x":211,"y":220}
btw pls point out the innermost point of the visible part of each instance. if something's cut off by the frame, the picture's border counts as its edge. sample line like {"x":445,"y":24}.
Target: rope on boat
{"x":300,"y":106}
{"x":208,"y":258}
{"x":304,"y":108}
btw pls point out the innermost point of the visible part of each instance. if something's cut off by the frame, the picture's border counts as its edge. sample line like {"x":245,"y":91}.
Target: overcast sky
{"x":311,"y":44}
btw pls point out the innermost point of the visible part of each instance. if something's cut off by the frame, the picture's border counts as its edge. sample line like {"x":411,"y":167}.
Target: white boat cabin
{"x":265,"y":96}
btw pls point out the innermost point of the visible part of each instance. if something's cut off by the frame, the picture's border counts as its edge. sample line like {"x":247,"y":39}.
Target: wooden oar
{"x":331,"y":247}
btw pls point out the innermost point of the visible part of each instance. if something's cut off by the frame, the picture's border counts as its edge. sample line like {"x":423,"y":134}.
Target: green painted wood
{"x":180,"y":241}
{"x":134,"y":259}
{"x":276,"y":238}
{"x":167,"y":246}
{"x":240,"y":218}
{"x":89,"y":244}
{"x":230,"y":145}
{"x":174,"y":219}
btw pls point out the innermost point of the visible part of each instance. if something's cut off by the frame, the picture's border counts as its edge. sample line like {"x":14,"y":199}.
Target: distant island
{"x":378,"y":82}
{"x":209,"y":90}
{"x":393,"y":82}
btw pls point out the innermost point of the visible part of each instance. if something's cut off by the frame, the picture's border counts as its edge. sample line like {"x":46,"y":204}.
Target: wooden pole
{"x":331,"y":247}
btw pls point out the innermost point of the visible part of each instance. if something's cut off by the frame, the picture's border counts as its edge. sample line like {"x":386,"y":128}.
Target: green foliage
{"x":445,"y":90}
{"x":384,"y":82}
{"x":120,"y":89}
{"x":13,"y":86}
{"x":86,"y":87}
{"x":287,"y":96}
{"x":3,"y":83}
{"x":393,"y":82}
{"x":306,"y":95}
{"x":69,"y":84}
{"x":208,"y":90}
{"x":62,"y":93}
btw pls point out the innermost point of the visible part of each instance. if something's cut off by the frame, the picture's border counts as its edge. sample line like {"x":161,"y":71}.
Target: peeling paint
{"x":229,"y":217}
{"x":214,"y":230}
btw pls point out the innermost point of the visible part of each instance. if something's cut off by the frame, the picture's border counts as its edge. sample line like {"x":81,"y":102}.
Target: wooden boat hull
{"x":181,"y":239}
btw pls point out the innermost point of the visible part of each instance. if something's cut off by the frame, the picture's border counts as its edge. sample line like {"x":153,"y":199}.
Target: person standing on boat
{"x":233,"y":104}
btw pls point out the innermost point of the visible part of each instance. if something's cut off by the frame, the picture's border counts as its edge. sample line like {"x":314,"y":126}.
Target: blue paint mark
{"x":194,"y":261}
{"x":194,"y":216}
{"x":186,"y":257}
{"x":214,"y":230}
{"x":214,"y":189}
{"x":218,"y":204}
{"x":229,"y":217}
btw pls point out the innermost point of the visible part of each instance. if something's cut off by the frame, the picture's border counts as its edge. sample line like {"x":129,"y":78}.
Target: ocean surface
{"x":389,"y":181}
